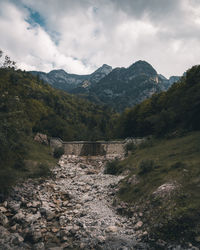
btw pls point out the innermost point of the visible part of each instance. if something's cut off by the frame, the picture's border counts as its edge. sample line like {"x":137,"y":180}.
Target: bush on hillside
{"x":7,"y":179}
{"x":58,"y":152}
{"x":43,"y":170}
{"x":113,"y":167}
{"x":145,"y":167}
{"x":130,"y":147}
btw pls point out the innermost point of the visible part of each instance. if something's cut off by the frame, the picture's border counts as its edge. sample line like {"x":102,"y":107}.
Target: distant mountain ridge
{"x":119,"y":87}
{"x":62,"y":80}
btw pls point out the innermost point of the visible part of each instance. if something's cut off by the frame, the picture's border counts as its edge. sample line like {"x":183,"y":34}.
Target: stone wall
{"x":85,"y":148}
{"x":89,"y":148}
{"x":56,"y":143}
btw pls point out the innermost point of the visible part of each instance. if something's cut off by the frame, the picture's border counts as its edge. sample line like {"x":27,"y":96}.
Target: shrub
{"x":113,"y":167}
{"x":178,"y":165}
{"x":146,"y":167}
{"x":146,"y":144}
{"x":130,"y":147}
{"x":42,"y":171}
{"x":19,"y":165}
{"x":58,"y":152}
{"x":7,"y":179}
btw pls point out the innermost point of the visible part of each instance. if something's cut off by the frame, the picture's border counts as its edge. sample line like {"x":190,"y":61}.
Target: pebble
{"x":74,"y":208}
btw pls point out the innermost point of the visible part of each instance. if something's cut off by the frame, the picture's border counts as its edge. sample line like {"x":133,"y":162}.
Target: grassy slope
{"x":37,"y":164}
{"x":39,"y":160}
{"x":174,"y":160}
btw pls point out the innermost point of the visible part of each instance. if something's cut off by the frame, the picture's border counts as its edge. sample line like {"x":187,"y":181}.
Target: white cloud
{"x":32,"y":47}
{"x":91,"y":32}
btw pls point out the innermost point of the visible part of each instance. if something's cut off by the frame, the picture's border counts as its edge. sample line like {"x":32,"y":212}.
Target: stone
{"x":14,"y":228}
{"x":36,"y":236}
{"x":3,"y":209}
{"x":78,"y":206}
{"x":62,"y":220}
{"x":3,"y":219}
{"x":5,"y":204}
{"x":165,"y":189}
{"x":30,"y":218}
{"x":138,"y":225}
{"x":111,"y":229}
{"x":47,"y":213}
{"x":65,"y":203}
{"x":197,"y":238}
{"x":91,"y":171}
{"x":41,"y":138}
{"x":19,"y":216}
{"x":54,"y":230}
{"x":145,"y":233}
{"x":50,"y":215}
{"x":16,"y":239}
{"x":39,"y":246}
{"x":14,"y":206}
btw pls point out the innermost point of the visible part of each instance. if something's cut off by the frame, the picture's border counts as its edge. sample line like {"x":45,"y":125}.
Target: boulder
{"x":16,"y":239}
{"x":14,"y":206}
{"x":3,"y":219}
{"x":30,"y":218}
{"x":19,"y":217}
{"x":138,"y":225}
{"x":111,"y":229}
{"x":41,"y":138}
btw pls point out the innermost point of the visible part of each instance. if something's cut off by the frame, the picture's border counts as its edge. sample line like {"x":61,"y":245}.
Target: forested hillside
{"x":176,"y":110}
{"x":27,"y":106}
{"x":163,"y":181}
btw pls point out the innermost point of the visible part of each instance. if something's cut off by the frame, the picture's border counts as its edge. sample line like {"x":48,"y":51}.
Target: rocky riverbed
{"x":71,"y":210}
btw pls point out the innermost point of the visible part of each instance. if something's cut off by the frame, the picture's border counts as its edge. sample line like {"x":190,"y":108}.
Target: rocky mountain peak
{"x":104,"y":69}
{"x":142,"y":67}
{"x":100,"y":73}
{"x":57,"y":71}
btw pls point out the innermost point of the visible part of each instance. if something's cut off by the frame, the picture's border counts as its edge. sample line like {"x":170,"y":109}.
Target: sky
{"x":81,"y":35}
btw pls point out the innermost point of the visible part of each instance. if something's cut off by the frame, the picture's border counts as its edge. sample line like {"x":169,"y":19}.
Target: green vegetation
{"x":113,"y":167}
{"x":37,"y":162}
{"x":170,"y":157}
{"x":167,"y":113}
{"x":28,"y":106}
{"x":173,"y":215}
{"x":58,"y":152}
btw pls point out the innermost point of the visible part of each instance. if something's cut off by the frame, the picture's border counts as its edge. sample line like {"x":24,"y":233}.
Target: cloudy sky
{"x":81,"y":35}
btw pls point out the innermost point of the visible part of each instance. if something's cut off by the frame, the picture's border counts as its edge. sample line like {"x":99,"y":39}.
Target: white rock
{"x":138,"y":225}
{"x":3,"y":209}
{"x":19,"y":216}
{"x":30,"y":218}
{"x":111,"y":229}
{"x":3,"y":219}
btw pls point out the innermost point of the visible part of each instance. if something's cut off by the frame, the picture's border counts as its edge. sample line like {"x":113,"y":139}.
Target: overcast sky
{"x":81,"y":35}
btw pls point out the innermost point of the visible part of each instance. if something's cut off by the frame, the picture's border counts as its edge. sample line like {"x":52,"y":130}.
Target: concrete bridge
{"x":93,"y":148}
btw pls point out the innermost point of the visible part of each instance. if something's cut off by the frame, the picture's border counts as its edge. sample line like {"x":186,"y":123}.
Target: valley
{"x":118,"y":88}
{"x":149,"y":200}
{"x":99,"y":125}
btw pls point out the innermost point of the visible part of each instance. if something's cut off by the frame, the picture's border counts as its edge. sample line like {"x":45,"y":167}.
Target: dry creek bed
{"x":71,"y":210}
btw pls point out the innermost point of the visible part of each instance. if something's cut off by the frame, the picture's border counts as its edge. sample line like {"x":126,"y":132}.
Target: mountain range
{"x":119,"y":87}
